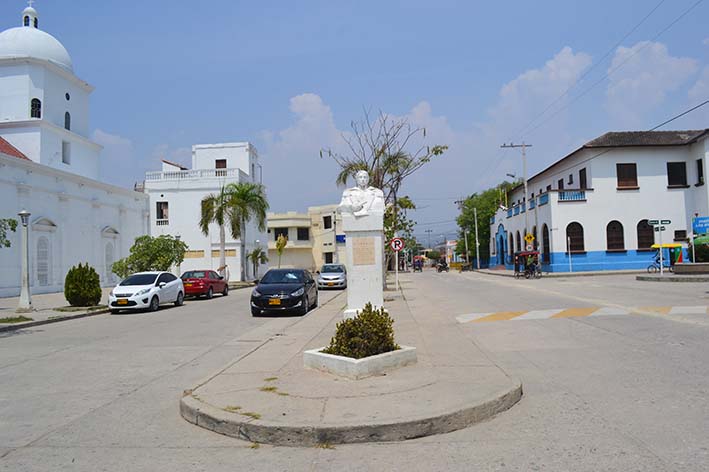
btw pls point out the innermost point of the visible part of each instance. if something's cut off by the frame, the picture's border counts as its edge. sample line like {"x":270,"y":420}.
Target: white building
{"x":596,"y":202}
{"x":176,"y":194}
{"x":49,"y":166}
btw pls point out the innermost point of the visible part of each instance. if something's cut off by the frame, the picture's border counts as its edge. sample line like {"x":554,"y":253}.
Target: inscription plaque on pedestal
{"x":363,"y":251}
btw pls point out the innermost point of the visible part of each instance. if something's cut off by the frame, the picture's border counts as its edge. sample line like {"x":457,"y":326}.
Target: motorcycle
{"x":442,"y":266}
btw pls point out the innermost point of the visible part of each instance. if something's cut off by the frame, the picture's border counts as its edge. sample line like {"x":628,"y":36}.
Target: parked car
{"x":204,"y":283}
{"x":282,"y":290}
{"x":146,"y":291}
{"x":332,"y":276}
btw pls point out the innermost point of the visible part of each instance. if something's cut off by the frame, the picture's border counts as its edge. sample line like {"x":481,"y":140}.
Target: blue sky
{"x":291,"y":76}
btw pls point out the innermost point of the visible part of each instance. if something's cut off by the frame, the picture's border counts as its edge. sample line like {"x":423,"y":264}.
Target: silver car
{"x":332,"y":276}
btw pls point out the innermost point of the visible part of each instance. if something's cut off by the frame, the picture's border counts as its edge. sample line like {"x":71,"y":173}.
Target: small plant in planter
{"x":369,"y":333}
{"x":82,"y":286}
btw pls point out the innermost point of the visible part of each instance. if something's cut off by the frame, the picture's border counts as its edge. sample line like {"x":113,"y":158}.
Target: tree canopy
{"x":6,"y":225}
{"x":149,"y":253}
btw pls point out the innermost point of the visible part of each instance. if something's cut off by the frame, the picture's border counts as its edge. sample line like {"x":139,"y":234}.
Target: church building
{"x":50,"y":166}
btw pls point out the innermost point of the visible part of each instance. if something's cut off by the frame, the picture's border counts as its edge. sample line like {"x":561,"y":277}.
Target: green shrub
{"x":702,"y":252}
{"x":82,"y":286}
{"x":367,"y":334}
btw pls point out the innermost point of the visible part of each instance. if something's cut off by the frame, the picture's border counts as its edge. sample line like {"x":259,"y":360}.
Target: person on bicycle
{"x":531,"y":265}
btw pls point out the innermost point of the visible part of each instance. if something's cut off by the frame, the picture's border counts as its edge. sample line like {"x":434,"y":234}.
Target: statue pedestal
{"x":364,"y":239}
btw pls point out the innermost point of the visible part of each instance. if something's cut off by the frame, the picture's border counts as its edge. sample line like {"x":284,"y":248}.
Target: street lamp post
{"x":25,"y":305}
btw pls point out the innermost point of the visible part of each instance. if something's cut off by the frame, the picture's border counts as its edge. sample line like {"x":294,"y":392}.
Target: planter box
{"x":359,"y":368}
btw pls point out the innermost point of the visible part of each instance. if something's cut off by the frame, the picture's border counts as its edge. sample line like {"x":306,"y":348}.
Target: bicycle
{"x":655,"y":267}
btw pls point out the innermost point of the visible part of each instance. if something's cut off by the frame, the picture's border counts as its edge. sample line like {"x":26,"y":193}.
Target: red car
{"x":204,"y":282}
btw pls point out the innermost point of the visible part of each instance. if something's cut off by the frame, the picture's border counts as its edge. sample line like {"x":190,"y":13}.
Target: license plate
{"x":330,"y":284}
{"x":274,"y":301}
{"x":122,"y":302}
{"x":188,"y":285}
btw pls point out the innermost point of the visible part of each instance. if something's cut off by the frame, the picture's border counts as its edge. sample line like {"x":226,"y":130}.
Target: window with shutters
{"x":676,"y":174}
{"x":36,"y":108}
{"x":583,"y":184}
{"x":560,"y":184}
{"x":278,"y":232}
{"x":700,"y":172}
{"x":327,"y":222}
{"x":519,"y":242}
{"x":574,"y":237}
{"x":43,"y":261}
{"x":546,"y":247}
{"x":646,"y":235}
{"x":614,"y":236}
{"x":681,"y":235}
{"x":627,"y":176}
{"x":303,"y":234}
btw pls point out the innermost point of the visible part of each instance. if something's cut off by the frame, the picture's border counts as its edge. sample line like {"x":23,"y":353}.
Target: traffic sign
{"x":653,"y":222}
{"x":665,"y":222}
{"x":700,"y":225}
{"x":659,"y":228}
{"x":529,"y":238}
{"x":397,"y":244}
{"x":530,"y":247}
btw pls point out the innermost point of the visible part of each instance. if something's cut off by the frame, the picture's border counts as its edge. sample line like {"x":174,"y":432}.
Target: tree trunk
{"x":222,"y":252}
{"x":244,"y":265}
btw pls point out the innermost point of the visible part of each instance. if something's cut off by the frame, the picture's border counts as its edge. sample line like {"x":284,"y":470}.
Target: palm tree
{"x":257,"y":257}
{"x":235,"y":205}
{"x":215,"y":209}
{"x":247,"y":202}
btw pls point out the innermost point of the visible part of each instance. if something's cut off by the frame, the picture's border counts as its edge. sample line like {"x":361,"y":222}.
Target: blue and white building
{"x":593,"y":205}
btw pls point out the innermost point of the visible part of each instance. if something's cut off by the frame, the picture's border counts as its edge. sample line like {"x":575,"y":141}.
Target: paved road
{"x":601,"y":392}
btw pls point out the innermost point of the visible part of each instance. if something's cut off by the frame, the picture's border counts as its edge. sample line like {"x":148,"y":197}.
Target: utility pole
{"x":460,"y":202}
{"x":429,"y":231}
{"x":524,"y":147}
{"x":477,"y":243}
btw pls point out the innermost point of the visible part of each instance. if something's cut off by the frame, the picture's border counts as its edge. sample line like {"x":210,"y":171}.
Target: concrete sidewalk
{"x":267,"y":396}
{"x":44,"y":310}
{"x":511,"y":273}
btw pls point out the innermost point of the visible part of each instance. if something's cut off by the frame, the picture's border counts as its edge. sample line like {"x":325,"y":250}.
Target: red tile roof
{"x":10,"y":150}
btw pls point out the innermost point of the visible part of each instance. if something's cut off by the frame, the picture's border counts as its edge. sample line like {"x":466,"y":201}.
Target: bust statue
{"x":362,"y":200}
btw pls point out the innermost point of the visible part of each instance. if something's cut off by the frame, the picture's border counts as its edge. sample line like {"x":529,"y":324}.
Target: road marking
{"x":576,"y":312}
{"x":539,"y":314}
{"x":500,"y":316}
{"x":579,"y":312}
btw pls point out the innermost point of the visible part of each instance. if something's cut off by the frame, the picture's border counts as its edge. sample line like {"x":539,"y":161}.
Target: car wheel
{"x":154,"y":304}
{"x":180,"y":299}
{"x":115,"y":312}
{"x":226,"y":290}
{"x":255,"y":312}
{"x":210,"y":293}
{"x":304,"y":308}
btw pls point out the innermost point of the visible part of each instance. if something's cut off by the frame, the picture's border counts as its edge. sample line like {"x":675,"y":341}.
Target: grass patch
{"x":251,"y":414}
{"x":268,"y":389}
{"x":15,"y":319}
{"x":232,"y":408}
{"x":325,"y":445}
{"x":283,"y":394}
{"x":255,"y":445}
{"x":270,"y":379}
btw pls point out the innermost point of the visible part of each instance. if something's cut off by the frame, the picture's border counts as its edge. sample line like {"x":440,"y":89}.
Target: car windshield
{"x":194,"y":274}
{"x":140,"y":279}
{"x":332,"y":268}
{"x":282,"y":277}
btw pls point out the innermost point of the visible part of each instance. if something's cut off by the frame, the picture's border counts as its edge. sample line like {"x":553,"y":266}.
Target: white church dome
{"x":29,"y":41}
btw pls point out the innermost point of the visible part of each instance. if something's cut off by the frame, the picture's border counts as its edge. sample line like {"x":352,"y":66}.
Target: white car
{"x":146,"y":290}
{"x":332,"y":276}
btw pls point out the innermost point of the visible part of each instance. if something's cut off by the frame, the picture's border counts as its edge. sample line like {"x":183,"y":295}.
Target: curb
{"x":671,"y":278}
{"x":559,"y":275}
{"x":230,"y":424}
{"x":30,"y":324}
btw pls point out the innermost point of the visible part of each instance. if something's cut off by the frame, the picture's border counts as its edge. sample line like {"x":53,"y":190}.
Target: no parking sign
{"x":396,"y":244}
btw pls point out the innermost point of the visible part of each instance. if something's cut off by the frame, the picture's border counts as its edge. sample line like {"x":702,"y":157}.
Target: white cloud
{"x":700,"y":90}
{"x":181,"y":155}
{"x":646,"y":74}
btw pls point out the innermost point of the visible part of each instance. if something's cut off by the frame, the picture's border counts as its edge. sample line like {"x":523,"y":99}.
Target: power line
{"x":610,"y":72}
{"x":592,"y":68}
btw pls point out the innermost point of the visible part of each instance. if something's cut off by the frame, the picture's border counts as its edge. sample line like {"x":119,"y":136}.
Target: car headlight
{"x":255,"y":293}
{"x":298,"y":292}
{"x":143,"y":292}
{"x":110,"y":294}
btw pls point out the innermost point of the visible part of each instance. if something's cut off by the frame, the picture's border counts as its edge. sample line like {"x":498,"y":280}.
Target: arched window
{"x":519,"y":242}
{"x":535,"y":243}
{"x":43,"y":261}
{"x":574,"y":237}
{"x":646,"y":235}
{"x":67,"y":120}
{"x":27,"y":21}
{"x":36,"y":22}
{"x":511,"y":246}
{"x":108,"y":257}
{"x":614,"y":236}
{"x":545,"y":244}
{"x":36,"y":108}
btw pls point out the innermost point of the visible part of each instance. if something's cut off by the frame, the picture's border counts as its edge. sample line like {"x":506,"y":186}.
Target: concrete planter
{"x":359,"y":368}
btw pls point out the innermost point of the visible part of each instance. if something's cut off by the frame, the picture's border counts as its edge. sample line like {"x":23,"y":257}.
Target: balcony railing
{"x":509,"y":213}
{"x":572,"y":196}
{"x":532,"y":203}
{"x":191,"y":174}
{"x":517,"y":210}
{"x":543,"y":199}
{"x":162,"y":222}
{"x":523,"y":207}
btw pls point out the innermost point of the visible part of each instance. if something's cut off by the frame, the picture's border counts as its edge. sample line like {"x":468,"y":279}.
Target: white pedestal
{"x":364,"y":239}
